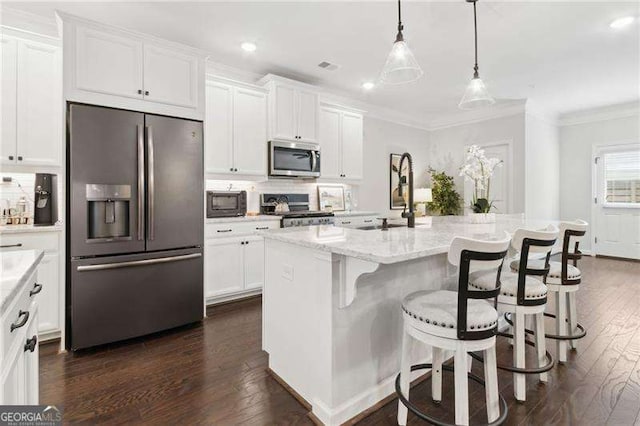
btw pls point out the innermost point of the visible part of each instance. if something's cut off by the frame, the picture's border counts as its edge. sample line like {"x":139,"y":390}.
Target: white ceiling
{"x":563,"y":55}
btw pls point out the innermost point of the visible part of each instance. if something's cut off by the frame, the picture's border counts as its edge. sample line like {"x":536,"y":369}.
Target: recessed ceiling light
{"x":248,"y":46}
{"x":622,"y":22}
{"x":368,"y":85}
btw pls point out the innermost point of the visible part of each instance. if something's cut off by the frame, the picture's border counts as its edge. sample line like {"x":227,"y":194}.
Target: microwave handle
{"x":313,"y":160}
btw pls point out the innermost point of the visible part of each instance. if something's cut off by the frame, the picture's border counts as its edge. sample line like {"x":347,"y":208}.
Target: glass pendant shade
{"x":476,"y":95}
{"x":401,"y":66}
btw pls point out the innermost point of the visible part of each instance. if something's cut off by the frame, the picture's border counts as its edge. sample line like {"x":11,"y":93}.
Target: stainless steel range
{"x":294,"y":209}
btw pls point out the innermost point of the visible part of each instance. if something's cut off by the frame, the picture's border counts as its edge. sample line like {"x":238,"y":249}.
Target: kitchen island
{"x":332,"y":322}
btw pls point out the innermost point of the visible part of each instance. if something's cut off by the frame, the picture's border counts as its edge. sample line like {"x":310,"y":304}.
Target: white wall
{"x":542,"y":168}
{"x":576,"y":146}
{"x":447,"y":147}
{"x":382,"y":138}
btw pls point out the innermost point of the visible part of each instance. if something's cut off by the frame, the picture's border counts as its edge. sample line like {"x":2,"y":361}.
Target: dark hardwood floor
{"x":215,"y":372}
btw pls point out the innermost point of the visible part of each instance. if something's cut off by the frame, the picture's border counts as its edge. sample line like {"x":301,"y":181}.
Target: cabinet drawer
{"x":23,"y":303}
{"x":235,"y":229}
{"x":27,"y":241}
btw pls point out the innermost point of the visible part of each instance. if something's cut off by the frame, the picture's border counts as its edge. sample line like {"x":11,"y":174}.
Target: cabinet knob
{"x":231,"y":169}
{"x":11,"y":157}
{"x":19,"y":157}
{"x":146,"y":93}
{"x":139,"y":91}
{"x":235,"y":170}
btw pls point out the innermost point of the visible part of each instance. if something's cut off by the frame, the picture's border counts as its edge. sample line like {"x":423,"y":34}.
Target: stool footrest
{"x":504,"y":409}
{"x":537,"y":370}
{"x":580,"y":335}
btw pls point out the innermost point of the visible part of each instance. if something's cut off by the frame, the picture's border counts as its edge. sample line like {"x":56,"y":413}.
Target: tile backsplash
{"x":22,"y":184}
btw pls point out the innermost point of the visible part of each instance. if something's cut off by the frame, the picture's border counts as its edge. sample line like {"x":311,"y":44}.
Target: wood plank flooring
{"x":215,"y":372}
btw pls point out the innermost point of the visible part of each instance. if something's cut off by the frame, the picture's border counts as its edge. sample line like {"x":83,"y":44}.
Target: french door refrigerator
{"x":135,"y":219}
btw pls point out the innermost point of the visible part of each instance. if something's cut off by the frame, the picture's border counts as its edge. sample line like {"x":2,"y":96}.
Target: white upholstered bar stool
{"x":463,"y":322}
{"x":523,"y":294}
{"x":563,"y":280}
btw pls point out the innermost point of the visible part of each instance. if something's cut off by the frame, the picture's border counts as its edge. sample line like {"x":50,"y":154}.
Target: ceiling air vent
{"x":328,"y":66}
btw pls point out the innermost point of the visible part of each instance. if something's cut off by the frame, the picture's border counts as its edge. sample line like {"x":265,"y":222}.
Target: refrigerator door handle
{"x":140,"y":183}
{"x":103,"y":266}
{"x":151,"y":185}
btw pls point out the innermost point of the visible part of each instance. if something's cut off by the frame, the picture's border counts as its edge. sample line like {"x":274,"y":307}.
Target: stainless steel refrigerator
{"x":135,"y":218}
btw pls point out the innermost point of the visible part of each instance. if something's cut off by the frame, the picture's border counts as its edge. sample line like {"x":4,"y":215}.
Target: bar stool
{"x":523,"y":294}
{"x":563,"y":280}
{"x":456,"y":321}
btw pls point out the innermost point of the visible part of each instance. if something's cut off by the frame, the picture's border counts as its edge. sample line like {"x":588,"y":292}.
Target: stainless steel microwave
{"x":226,"y":203}
{"x":294,"y":159}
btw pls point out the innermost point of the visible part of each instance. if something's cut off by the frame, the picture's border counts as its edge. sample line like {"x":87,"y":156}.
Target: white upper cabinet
{"x":108,"y":63}
{"x":341,"y":143}
{"x":235,"y":128}
{"x":293,"y":110}
{"x":114,"y":67}
{"x":31,"y":103}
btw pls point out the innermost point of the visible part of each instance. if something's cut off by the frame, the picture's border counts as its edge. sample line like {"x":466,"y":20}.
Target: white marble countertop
{"x":18,"y":229}
{"x":15,"y":268}
{"x":431,"y":236}
{"x":241,"y":219}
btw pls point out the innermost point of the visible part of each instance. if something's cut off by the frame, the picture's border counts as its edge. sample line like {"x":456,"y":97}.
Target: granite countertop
{"x":18,"y":229}
{"x":431,"y":236}
{"x":241,"y":219}
{"x":15,"y":269}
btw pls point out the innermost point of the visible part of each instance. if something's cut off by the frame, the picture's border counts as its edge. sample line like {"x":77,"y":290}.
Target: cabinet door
{"x":8,"y":110}
{"x":330,"y":134}
{"x":352,"y":149}
{"x":307,"y":115}
{"x":12,"y":381}
{"x":39,"y":105}
{"x":170,"y":77}
{"x":218,"y":130}
{"x":224,"y":266}
{"x":284,"y":115}
{"x":48,"y":298}
{"x":107,"y":63}
{"x":254,"y":263}
{"x":250,"y":132}
{"x":31,"y":364}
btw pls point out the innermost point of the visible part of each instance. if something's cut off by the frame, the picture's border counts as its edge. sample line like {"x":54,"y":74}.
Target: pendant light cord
{"x":399,"y":37}
{"x":475,"y":35}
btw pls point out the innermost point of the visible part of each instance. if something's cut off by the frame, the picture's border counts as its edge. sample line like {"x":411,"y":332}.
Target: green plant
{"x":446,"y":200}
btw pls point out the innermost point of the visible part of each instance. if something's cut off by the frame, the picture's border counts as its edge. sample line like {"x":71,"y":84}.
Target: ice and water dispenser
{"x":108,"y":212}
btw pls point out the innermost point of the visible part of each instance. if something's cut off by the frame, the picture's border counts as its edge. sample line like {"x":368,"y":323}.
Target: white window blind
{"x":622,"y":177}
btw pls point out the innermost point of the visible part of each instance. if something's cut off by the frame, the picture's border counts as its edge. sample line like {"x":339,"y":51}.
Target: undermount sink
{"x":372,"y":227}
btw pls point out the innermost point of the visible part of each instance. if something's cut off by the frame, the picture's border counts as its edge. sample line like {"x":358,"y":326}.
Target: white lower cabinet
{"x":234,"y":260}
{"x":356,"y":221}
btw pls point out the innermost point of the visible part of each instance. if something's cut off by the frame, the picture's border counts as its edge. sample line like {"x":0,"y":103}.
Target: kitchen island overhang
{"x":332,"y":319}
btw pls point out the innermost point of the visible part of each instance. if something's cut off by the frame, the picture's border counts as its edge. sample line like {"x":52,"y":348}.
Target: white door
{"x":39,"y":105}
{"x":218,"y":128}
{"x":224,"y":266}
{"x":250,"y":132}
{"x":307,"y":116}
{"x":253,"y":263}
{"x":31,"y":363}
{"x":330,"y":150}
{"x":107,"y":63}
{"x":8,"y":98}
{"x":48,"y":298}
{"x":352,"y":149}
{"x":499,"y":190}
{"x":170,"y":77}
{"x":617,"y":202}
{"x":284,"y":120}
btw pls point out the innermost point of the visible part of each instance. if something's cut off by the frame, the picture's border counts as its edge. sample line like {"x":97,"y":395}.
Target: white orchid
{"x":479,"y":169}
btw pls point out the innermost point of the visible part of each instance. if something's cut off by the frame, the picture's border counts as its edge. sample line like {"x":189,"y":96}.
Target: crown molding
{"x":610,"y":112}
{"x":29,"y":23}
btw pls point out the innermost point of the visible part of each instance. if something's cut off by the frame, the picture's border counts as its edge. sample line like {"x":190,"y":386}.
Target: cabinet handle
{"x":18,"y":324}
{"x":19,"y":157}
{"x":348,"y":222}
{"x":11,"y":245}
{"x":31,"y":344}
{"x":224,"y":230}
{"x":146,"y":93}
{"x":37,"y":288}
{"x":139,"y":91}
{"x":262,"y":227}
{"x":368,"y":221}
{"x":11,"y":157}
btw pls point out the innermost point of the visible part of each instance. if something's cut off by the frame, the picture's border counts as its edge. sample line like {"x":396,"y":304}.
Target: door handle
{"x":140,"y":182}
{"x":37,"y":288}
{"x":31,"y":344}
{"x":103,"y":266}
{"x":18,"y":324}
{"x":151,"y":186}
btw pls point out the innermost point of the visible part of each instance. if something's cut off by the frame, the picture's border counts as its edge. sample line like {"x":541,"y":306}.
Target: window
{"x":622,"y":177}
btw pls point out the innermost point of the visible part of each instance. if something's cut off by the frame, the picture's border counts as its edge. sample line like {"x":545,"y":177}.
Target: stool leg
{"x":436,"y":375}
{"x":519,"y":384}
{"x":461,"y":382}
{"x":469,"y":363}
{"x":541,"y":344}
{"x":491,"y":381}
{"x":405,"y":376}
{"x":573,"y":318}
{"x":561,"y":324}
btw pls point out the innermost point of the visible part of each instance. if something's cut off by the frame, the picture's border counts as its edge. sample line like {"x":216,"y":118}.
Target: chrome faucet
{"x":410,"y":215}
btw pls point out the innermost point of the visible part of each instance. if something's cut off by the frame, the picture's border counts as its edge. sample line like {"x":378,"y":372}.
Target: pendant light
{"x":476,"y":95}
{"x":401,"y":66}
